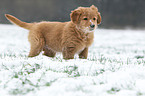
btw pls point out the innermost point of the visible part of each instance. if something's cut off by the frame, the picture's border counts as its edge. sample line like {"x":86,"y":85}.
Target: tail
{"x":19,"y":22}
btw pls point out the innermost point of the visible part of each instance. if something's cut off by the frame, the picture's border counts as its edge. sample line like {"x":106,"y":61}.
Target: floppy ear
{"x":98,"y":14}
{"x":99,"y":18}
{"x":75,"y":16}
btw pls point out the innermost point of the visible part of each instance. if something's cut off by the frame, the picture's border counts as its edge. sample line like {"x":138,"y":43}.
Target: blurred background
{"x":115,"y":13}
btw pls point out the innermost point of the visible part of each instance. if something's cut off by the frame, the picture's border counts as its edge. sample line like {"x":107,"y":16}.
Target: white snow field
{"x":115,"y":66}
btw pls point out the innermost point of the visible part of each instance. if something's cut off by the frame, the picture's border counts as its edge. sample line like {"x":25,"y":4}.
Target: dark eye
{"x":85,"y":18}
{"x":94,"y":18}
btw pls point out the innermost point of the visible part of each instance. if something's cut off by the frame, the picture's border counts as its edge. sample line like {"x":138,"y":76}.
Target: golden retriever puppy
{"x":69,"y":38}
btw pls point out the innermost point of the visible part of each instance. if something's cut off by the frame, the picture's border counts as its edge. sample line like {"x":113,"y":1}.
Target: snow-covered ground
{"x":115,"y":66}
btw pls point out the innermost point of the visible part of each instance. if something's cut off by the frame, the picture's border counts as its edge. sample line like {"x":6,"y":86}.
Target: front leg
{"x":84,"y":54}
{"x":68,"y":53}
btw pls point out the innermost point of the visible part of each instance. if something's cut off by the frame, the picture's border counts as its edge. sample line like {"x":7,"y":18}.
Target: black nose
{"x":92,"y":26}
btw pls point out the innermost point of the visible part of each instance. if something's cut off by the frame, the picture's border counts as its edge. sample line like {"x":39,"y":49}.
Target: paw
{"x":67,"y":58}
{"x":82,"y":57}
{"x":48,"y":55}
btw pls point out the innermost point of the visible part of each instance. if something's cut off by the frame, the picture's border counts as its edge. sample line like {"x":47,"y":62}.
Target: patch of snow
{"x":115,"y":66}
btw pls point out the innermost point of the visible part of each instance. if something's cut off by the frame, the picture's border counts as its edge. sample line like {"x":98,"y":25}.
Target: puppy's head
{"x":86,"y":18}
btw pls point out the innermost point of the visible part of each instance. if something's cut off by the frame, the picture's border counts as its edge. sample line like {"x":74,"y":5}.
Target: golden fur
{"x":69,"y":38}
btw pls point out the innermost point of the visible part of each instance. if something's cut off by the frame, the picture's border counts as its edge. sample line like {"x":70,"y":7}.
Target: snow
{"x":115,"y":66}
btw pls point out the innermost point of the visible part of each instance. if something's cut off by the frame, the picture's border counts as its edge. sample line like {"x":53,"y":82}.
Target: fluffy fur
{"x":69,"y":38}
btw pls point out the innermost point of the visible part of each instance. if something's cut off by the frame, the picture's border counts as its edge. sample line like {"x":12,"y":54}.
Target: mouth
{"x":88,"y":30}
{"x":91,"y":29}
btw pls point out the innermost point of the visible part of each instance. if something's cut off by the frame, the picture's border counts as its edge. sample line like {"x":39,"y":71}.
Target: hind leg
{"x":48,"y":52}
{"x":37,"y":44}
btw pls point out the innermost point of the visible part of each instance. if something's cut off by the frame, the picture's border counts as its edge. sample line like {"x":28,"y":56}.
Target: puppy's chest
{"x":88,"y":40}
